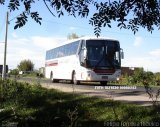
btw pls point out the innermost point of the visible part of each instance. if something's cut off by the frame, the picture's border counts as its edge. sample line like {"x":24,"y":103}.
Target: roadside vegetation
{"x":33,"y":106}
{"x":25,"y":69}
{"x":139,"y":77}
{"x":26,"y":65}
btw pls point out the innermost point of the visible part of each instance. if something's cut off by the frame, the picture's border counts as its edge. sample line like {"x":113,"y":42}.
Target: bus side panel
{"x":64,"y":68}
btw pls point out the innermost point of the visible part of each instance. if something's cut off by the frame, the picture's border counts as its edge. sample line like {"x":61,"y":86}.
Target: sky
{"x":32,"y":40}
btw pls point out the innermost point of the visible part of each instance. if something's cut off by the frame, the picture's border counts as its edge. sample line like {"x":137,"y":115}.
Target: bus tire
{"x":52,"y":78}
{"x":74,"y":79}
{"x":103,"y":83}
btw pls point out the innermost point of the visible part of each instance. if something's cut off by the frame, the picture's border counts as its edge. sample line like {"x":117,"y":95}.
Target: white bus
{"x":85,"y":59}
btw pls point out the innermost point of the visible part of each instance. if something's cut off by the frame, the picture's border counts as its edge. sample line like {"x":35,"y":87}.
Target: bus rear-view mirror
{"x":85,"y":53}
{"x":122,"y":54}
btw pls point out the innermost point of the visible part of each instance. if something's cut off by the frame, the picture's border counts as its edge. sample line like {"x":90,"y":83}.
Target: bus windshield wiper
{"x":99,"y":62}
{"x":110,"y":62}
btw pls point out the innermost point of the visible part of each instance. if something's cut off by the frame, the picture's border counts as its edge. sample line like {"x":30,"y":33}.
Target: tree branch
{"x":48,"y":8}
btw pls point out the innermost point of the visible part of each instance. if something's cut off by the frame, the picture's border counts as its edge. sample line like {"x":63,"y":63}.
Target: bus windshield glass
{"x":103,"y":54}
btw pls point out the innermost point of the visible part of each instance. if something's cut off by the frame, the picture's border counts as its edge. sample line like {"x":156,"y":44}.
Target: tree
{"x":14,"y":72}
{"x":138,"y":75}
{"x":129,"y":14}
{"x":26,"y":65}
{"x":72,"y":36}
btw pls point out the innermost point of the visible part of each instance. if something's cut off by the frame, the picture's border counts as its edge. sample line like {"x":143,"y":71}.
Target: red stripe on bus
{"x":51,"y":64}
{"x":107,"y":71}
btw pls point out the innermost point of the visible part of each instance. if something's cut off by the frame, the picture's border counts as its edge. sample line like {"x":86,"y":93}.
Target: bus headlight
{"x":118,"y":76}
{"x":86,"y":76}
{"x":118,"y":79}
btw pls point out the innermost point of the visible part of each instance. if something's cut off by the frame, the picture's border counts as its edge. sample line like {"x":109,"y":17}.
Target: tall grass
{"x":34,"y":106}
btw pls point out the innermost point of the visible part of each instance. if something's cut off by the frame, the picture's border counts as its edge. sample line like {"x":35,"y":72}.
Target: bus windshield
{"x":103,"y":54}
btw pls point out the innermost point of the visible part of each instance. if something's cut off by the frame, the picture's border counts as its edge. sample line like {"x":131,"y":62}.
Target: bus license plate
{"x":104,"y":77}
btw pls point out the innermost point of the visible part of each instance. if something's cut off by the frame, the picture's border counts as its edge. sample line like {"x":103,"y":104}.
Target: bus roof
{"x":90,"y":38}
{"x":83,"y":38}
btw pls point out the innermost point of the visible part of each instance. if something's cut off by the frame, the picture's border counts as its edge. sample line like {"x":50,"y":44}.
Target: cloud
{"x":33,"y":48}
{"x":149,"y":63}
{"x":47,"y":42}
{"x":155,"y":52}
{"x":138,"y":41}
{"x":14,"y":35}
{"x":73,"y":28}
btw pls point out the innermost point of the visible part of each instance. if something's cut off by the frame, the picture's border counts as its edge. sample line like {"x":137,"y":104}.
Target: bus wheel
{"x":74,"y":79}
{"x":103,"y":83}
{"x":52,"y":78}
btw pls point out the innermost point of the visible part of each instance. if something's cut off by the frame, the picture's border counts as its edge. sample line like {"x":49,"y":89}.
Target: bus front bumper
{"x":92,"y":76}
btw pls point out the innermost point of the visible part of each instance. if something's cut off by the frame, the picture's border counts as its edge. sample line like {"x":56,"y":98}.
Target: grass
{"x":34,"y":106}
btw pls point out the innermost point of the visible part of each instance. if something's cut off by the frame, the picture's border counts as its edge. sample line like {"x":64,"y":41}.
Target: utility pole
{"x":5,"y":50}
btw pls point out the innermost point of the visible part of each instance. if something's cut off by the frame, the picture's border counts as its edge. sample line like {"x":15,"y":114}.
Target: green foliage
{"x":129,"y":14}
{"x":14,"y":92}
{"x":127,"y":80}
{"x":157,"y":78}
{"x":22,"y":18}
{"x":26,"y":65}
{"x":2,"y":1}
{"x":32,"y":105}
{"x":146,"y":79}
{"x":40,"y":75}
{"x":72,"y":36}
{"x":144,"y":14}
{"x":14,"y":72}
{"x":140,"y":77}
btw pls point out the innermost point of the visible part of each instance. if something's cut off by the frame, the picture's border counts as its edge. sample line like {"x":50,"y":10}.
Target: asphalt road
{"x":129,"y":94}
